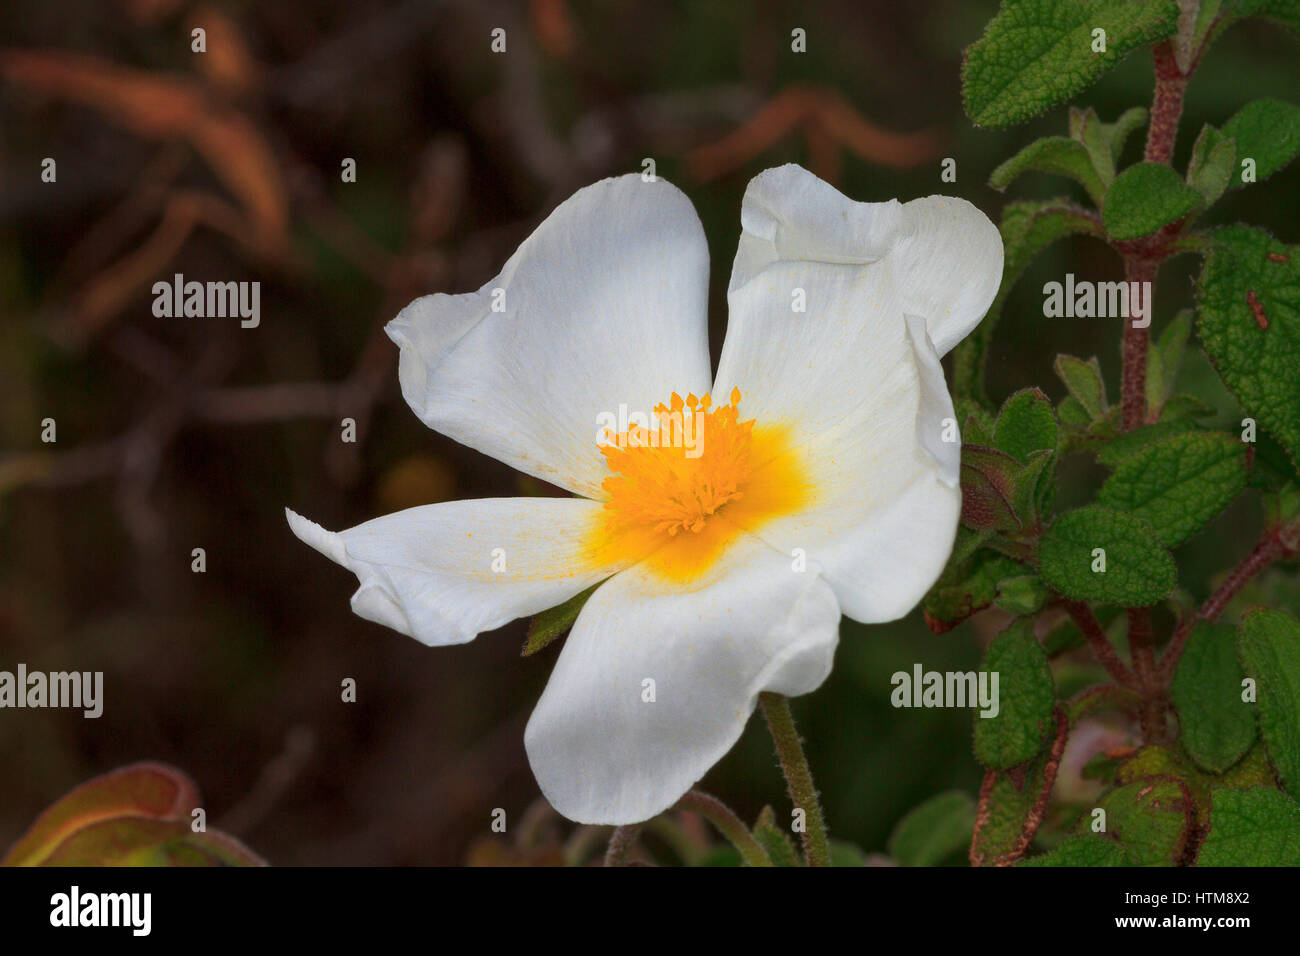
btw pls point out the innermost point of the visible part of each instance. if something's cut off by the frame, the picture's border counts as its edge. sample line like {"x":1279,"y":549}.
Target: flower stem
{"x":619,"y":843}
{"x":798,"y":777}
{"x":728,"y":824}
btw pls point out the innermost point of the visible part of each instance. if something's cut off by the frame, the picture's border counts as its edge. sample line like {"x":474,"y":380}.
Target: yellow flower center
{"x":684,"y":488}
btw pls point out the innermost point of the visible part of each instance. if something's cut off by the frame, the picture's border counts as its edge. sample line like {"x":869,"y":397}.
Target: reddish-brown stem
{"x":1166,"y":105}
{"x":1140,"y":273}
{"x":1102,"y":649}
{"x":1268,"y":550}
{"x":1139,"y":643}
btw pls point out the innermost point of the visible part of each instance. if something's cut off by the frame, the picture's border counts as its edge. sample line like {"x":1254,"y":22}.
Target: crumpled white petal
{"x":601,"y":752}
{"x":857,"y":378}
{"x":605,"y":303}
{"x":428,"y":572}
{"x":948,"y":264}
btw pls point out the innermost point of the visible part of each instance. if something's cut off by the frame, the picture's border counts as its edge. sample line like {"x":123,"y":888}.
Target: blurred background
{"x":175,"y":434}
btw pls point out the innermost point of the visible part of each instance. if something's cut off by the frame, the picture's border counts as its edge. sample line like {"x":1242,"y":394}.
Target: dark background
{"x":183,"y":433}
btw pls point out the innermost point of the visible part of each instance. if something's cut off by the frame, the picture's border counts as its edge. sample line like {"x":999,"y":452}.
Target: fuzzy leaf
{"x":1087,"y":129}
{"x":934,"y":831}
{"x":1214,"y":159}
{"x":1027,"y":697}
{"x":1166,"y":358}
{"x":1268,"y":646}
{"x":1036,"y":53}
{"x":1139,"y":571}
{"x":1084,"y":382}
{"x":1026,"y":424}
{"x":1267,"y":131}
{"x":1020,"y":595}
{"x":1007,"y":806}
{"x":1081,"y":850}
{"x":1144,"y":198}
{"x":1130,"y":443}
{"x":1057,"y":155}
{"x":1249,"y":323}
{"x":1178,"y":484}
{"x":774,"y":840}
{"x":1117,"y":133}
{"x":966,"y":587}
{"x":1151,"y":819}
{"x":1217,"y":726}
{"x":1256,"y":827}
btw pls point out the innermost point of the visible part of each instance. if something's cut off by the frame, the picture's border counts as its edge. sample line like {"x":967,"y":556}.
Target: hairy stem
{"x":1102,"y":649}
{"x":1133,"y":387}
{"x":728,"y":824}
{"x":1268,"y":550}
{"x":798,"y":777}
{"x":619,"y":843}
{"x":1166,"y":105}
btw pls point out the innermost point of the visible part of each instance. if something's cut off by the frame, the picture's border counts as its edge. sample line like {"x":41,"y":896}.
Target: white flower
{"x":823,"y":487}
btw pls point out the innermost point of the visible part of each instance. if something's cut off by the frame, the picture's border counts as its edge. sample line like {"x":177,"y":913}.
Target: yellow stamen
{"x":681,"y":491}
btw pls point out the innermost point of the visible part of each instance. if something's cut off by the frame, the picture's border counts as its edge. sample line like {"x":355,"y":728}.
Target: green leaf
{"x":1145,"y":198}
{"x":1020,"y":595}
{"x":1084,"y":382}
{"x":988,"y":489}
{"x":1178,"y":484}
{"x":966,"y":587}
{"x":844,"y":853}
{"x":1026,"y":695}
{"x":1128,"y":444}
{"x":934,"y":831}
{"x":1117,"y":133}
{"x":1267,"y":131}
{"x":1217,"y":726}
{"x":1214,"y":159}
{"x":1151,"y":819}
{"x":1004,"y":810}
{"x":1256,"y":827}
{"x":1087,"y":129}
{"x":1081,"y":850}
{"x":1285,"y":12}
{"x":1138,"y":571}
{"x":1027,"y":229}
{"x":1036,"y":53}
{"x":1026,"y":424}
{"x":1268,"y":645}
{"x":1057,"y":155}
{"x":1249,"y":324}
{"x":554,"y":622}
{"x":775,"y":841}
{"x":1165,"y":359}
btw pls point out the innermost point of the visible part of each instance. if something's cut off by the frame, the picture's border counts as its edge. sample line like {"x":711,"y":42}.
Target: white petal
{"x":860,"y":384}
{"x":428,"y":572}
{"x":601,"y":753}
{"x":948,"y":262}
{"x":604,"y":304}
